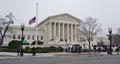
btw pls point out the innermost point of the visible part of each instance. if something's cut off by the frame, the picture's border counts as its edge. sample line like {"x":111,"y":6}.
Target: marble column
{"x":50,"y":30}
{"x":54,"y":30}
{"x":71,"y":33}
{"x":59,"y":31}
{"x":75,"y":33}
{"x":63,"y":31}
{"x":68,"y":33}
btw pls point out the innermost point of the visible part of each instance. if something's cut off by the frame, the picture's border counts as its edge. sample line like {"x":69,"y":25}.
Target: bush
{"x":55,"y":49}
{"x":39,"y":42}
{"x":14,"y":44}
{"x":7,"y":50}
{"x":60,"y":49}
{"x":44,"y":50}
{"x":38,"y":49}
{"x":27,"y":50}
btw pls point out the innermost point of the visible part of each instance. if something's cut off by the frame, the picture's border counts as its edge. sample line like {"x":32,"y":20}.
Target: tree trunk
{"x":1,"y":42}
{"x":89,"y":48}
{"x":3,"y":35}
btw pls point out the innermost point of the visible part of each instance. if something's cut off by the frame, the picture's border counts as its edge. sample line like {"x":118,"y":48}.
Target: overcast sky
{"x":106,"y":11}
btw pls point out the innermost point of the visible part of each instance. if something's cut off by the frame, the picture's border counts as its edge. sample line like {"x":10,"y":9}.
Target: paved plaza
{"x":52,"y":58}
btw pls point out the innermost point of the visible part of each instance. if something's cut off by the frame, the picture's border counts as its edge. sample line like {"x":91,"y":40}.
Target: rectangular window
{"x":14,"y":37}
{"x":18,"y":36}
{"x":37,"y":37}
{"x":33,"y":37}
{"x":28,"y":37}
{"x":41,"y":37}
{"x":24,"y":36}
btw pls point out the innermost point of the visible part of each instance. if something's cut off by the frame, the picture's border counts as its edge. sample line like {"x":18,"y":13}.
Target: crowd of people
{"x":106,"y":49}
{"x":95,"y":49}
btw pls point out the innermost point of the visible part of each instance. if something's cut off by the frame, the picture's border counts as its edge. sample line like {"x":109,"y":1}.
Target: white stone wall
{"x":57,"y":27}
{"x":27,"y":31}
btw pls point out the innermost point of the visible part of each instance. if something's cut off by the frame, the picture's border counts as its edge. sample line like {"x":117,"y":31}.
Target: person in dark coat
{"x":80,"y":49}
{"x":33,"y":51}
{"x":117,"y":50}
{"x":18,"y":51}
{"x":95,"y":50}
{"x":99,"y":50}
{"x":21,"y":54}
{"x":108,"y":50}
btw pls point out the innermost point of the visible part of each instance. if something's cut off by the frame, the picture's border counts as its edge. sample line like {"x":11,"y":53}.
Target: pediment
{"x":65,"y":16}
{"x":61,"y":17}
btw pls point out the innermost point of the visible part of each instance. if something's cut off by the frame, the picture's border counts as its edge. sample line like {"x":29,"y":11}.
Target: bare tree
{"x":89,"y":29}
{"x":116,"y":39}
{"x":100,"y":43}
{"x":118,"y":31}
{"x":5,"y":26}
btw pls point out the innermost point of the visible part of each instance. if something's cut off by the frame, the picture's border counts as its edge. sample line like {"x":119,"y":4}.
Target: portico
{"x":62,"y":31}
{"x":61,"y":28}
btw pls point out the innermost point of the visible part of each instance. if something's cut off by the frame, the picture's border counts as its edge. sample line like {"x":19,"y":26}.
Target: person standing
{"x":21,"y":52}
{"x":33,"y":51}
{"x":80,"y":49}
{"x":95,"y":50}
{"x":99,"y":50}
{"x":117,"y":50}
{"x":18,"y":51}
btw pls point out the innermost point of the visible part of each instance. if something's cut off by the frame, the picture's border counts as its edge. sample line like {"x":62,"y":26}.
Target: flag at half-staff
{"x":32,"y":20}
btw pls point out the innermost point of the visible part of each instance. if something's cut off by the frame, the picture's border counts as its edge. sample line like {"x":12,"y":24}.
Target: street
{"x":106,"y":59}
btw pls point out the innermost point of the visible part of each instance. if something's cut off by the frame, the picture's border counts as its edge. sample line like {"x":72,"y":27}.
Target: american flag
{"x":32,"y":20}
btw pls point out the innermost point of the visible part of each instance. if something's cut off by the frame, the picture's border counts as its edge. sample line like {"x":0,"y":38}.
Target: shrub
{"x":48,"y":49}
{"x":39,"y":42}
{"x":38,"y":49}
{"x":7,"y":50}
{"x":60,"y":49}
{"x":27,"y":50}
{"x":14,"y":44}
{"x":55,"y":49}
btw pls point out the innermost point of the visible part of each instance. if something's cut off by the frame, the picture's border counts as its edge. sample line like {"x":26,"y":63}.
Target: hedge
{"x":38,"y":50}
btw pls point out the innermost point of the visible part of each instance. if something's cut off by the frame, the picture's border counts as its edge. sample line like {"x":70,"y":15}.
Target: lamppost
{"x":22,"y":39}
{"x":110,"y":38}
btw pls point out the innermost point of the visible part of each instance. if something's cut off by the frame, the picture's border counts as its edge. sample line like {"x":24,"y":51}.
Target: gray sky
{"x":106,"y":11}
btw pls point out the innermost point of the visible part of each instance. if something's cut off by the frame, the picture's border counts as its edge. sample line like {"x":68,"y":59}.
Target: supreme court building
{"x":58,"y":30}
{"x":61,"y":28}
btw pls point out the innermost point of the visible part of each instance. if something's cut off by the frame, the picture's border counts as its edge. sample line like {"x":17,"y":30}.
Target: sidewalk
{"x":13,"y":54}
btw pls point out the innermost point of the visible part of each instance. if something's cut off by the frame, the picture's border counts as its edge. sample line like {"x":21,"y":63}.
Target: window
{"x":18,"y":36}
{"x":33,"y":37}
{"x":37,"y":37}
{"x":28,"y":37}
{"x":41,"y":37}
{"x":24,"y":36}
{"x":82,"y":39}
{"x":51,"y":39}
{"x":14,"y":36}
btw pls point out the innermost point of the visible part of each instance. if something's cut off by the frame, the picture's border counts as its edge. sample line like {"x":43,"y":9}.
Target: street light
{"x":110,"y":38}
{"x":22,"y":39}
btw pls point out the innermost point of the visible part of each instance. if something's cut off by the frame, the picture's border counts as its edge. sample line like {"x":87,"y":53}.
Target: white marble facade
{"x":56,"y":30}
{"x":61,"y":29}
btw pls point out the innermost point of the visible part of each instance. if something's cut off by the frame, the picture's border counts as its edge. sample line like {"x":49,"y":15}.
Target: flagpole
{"x":36,"y":22}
